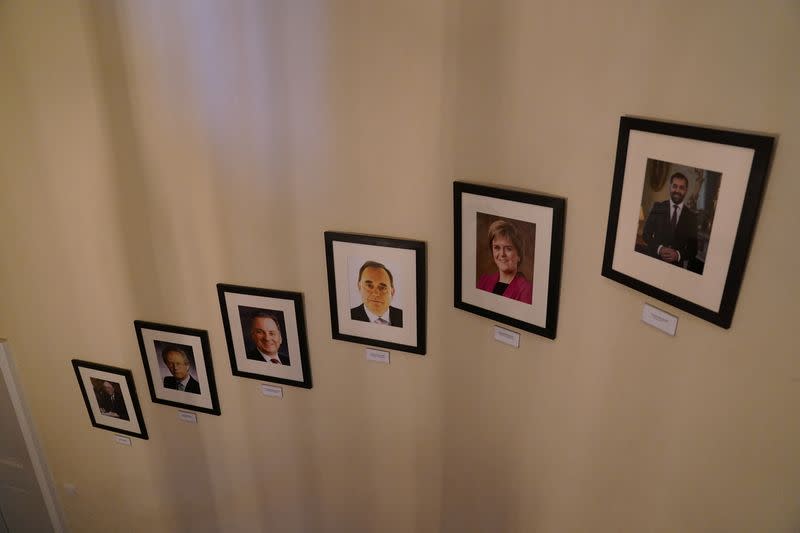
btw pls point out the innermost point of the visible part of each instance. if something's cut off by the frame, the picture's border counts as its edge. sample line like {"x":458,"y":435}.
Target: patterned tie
{"x":381,"y":321}
{"x":674,"y":220}
{"x":180,"y":386}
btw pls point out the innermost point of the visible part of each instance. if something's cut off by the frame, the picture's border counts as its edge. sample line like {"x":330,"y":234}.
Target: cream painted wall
{"x":152,"y":149}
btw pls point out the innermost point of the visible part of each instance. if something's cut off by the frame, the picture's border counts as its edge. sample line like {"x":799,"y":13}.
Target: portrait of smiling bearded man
{"x":671,"y":227}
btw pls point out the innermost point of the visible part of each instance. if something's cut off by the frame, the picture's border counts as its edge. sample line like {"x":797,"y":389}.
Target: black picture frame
{"x":405,"y":262}
{"x":241,"y":306}
{"x":155,"y":340}
{"x":706,"y":283}
{"x":530,"y":301}
{"x":107,"y":412}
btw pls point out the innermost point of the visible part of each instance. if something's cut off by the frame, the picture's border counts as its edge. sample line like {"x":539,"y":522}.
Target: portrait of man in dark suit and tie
{"x":178,"y":359}
{"x":264,"y":331}
{"x":670,"y":231}
{"x":179,"y":363}
{"x":376,"y":287}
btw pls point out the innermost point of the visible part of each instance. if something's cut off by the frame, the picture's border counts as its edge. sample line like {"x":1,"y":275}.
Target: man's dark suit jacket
{"x":395,"y":315}
{"x":191,"y":386}
{"x":117,"y":405}
{"x":658,"y":231}
{"x":255,"y":355}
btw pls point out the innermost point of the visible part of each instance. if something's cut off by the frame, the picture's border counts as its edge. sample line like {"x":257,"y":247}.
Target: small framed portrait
{"x":110,"y":397}
{"x":266,"y":334}
{"x":178,"y":365}
{"x":684,"y":204}
{"x":376,"y":287}
{"x":508,"y":252}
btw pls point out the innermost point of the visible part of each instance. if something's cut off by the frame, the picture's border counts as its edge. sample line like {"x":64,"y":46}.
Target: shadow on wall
{"x":206,"y":480}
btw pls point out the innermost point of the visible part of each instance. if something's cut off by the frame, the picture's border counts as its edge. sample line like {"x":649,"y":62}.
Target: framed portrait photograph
{"x":684,"y":204}
{"x":178,"y":365}
{"x":266,"y":334}
{"x":110,"y":397}
{"x":376,"y":287}
{"x":508,"y":252}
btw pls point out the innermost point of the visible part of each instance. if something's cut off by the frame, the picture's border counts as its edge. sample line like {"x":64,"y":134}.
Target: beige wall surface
{"x":149,"y":150}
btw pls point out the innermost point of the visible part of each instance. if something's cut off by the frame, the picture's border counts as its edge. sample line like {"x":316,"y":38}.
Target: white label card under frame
{"x":378,"y":356}
{"x":660,"y":319}
{"x":506,"y":336}
{"x":125,"y":441}
{"x":271,"y":391}
{"x":187,"y":416}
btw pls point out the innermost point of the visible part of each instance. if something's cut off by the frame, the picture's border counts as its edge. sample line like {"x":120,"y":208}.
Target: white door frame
{"x":45,"y":481}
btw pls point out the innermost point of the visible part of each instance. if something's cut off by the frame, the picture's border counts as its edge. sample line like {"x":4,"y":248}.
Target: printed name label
{"x":506,"y":336}
{"x":272,"y":391}
{"x":186,"y":416}
{"x":125,"y":441}
{"x":659,"y":319}
{"x":379,"y":356}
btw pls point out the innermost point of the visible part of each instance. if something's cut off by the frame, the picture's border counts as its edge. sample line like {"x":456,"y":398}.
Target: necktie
{"x":180,"y":386}
{"x":277,"y":362}
{"x":674,"y":219}
{"x":380,"y":320}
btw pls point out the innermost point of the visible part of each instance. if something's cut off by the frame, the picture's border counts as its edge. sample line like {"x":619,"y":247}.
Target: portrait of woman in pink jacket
{"x":507,"y":248}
